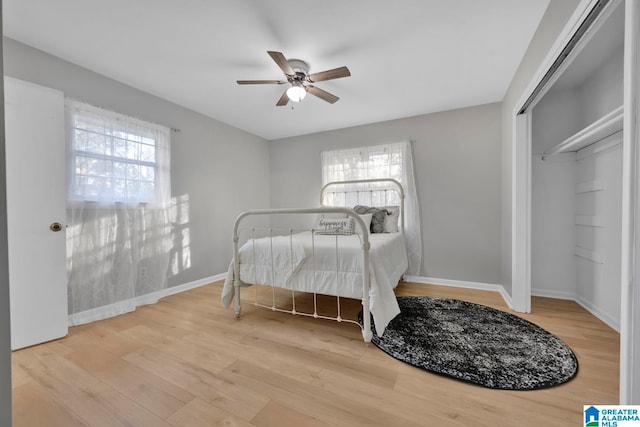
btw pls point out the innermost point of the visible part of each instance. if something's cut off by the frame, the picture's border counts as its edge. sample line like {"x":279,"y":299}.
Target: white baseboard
{"x":587,"y":305}
{"x":606,"y":318}
{"x":192,"y":285}
{"x":129,"y":305}
{"x":463,"y":284}
{"x":548,"y":293}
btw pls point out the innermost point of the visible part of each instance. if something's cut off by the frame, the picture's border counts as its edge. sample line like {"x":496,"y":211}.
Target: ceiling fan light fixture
{"x":297,"y":74}
{"x":296,"y":92}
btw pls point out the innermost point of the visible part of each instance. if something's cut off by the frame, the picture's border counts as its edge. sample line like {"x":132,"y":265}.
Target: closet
{"x":576,"y":172}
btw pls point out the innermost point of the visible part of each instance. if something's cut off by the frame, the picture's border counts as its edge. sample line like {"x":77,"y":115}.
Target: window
{"x":115,"y":158}
{"x":380,"y":161}
{"x":119,"y":231}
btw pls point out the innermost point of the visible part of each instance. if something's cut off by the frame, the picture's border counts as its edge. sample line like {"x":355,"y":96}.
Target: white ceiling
{"x":407,"y":57}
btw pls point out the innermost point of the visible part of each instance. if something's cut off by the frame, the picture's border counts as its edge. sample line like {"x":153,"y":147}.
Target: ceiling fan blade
{"x":261,"y":82}
{"x":284,"y":99}
{"x":282,"y":62}
{"x":336,"y":73}
{"x":322,"y":94}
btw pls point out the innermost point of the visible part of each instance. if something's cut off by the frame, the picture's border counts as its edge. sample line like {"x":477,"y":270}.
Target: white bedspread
{"x":305,"y":267}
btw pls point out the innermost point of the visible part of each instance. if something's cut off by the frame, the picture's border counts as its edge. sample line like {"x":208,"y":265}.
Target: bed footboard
{"x":362,"y":232}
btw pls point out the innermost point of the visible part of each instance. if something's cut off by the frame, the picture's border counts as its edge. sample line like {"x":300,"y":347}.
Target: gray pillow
{"x":377,"y":217}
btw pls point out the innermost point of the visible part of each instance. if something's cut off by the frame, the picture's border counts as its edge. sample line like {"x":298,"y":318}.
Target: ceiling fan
{"x":297,"y":73}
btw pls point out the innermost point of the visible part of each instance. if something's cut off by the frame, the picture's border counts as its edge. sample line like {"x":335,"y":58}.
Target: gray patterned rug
{"x":476,"y":343}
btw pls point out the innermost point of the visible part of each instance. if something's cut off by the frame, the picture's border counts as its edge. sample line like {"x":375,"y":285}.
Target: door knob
{"x":55,"y":226}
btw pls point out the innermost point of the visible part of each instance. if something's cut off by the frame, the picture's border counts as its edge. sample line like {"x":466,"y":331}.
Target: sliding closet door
{"x":35,"y":152}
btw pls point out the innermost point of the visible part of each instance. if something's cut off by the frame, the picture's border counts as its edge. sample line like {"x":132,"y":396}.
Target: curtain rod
{"x":111,"y":110}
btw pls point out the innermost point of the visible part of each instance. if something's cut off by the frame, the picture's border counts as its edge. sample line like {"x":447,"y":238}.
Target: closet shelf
{"x":601,"y":128}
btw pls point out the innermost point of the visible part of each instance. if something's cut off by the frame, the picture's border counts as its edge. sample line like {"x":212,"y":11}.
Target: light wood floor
{"x":188,"y":362}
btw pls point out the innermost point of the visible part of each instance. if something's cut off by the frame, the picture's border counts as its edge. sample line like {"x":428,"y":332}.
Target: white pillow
{"x":391,"y":220}
{"x":342,"y":226}
{"x":367,"y":220}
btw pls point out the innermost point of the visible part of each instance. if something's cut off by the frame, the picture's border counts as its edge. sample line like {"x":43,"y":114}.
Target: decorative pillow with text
{"x":341,"y":226}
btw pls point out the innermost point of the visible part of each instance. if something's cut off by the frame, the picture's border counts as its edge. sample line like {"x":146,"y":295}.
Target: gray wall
{"x":217,"y":170}
{"x":555,"y":18}
{"x":5,"y":326}
{"x":457,"y":163}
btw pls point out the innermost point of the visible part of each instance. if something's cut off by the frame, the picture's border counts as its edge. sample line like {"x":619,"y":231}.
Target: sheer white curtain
{"x":382,"y":161}
{"x":118,"y":228}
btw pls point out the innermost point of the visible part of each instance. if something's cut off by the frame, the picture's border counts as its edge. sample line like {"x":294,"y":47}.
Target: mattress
{"x":326,"y":264}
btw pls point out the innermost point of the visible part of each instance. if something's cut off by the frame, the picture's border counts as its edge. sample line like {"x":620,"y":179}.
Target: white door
{"x":36,"y":198}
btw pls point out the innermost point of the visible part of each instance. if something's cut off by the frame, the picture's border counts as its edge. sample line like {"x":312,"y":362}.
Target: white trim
{"x":593,"y":309}
{"x":552,"y":293}
{"x":590,"y":307}
{"x":579,"y":15}
{"x":130,"y":305}
{"x":629,"y":319}
{"x":521,"y":214}
{"x":192,"y":285}
{"x":546,"y":293}
{"x":462,"y":284}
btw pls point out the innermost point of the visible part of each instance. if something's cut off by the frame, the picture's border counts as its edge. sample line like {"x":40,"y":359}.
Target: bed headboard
{"x":372,"y":192}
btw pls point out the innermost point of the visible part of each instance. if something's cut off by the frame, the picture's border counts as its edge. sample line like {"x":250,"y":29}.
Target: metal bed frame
{"x":396,"y":186}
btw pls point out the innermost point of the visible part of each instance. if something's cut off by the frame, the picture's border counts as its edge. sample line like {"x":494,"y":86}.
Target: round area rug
{"x":476,"y":343}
